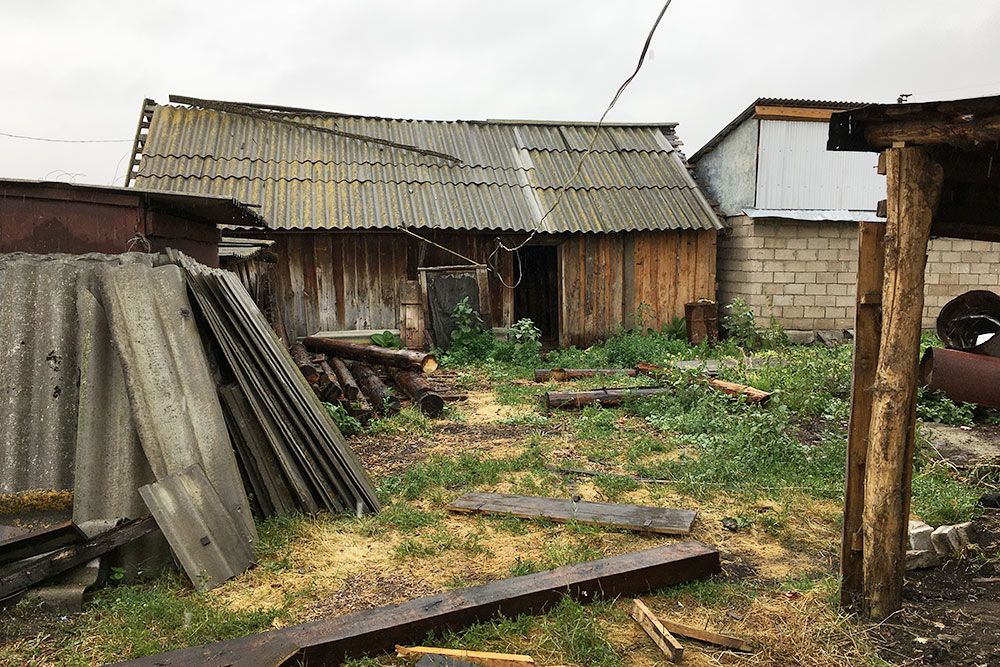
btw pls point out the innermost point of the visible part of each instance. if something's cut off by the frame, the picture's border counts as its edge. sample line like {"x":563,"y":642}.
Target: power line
{"x":66,"y":141}
{"x":590,"y":146}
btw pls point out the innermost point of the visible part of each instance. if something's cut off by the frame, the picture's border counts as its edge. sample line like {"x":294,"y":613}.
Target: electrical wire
{"x":66,"y":141}
{"x":586,"y":153}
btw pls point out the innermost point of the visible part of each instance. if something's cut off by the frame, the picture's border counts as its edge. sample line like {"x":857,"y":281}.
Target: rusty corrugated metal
{"x":634,"y":179}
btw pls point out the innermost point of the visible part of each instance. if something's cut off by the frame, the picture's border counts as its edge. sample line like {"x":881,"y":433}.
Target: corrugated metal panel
{"x":796,"y":171}
{"x":314,"y":180}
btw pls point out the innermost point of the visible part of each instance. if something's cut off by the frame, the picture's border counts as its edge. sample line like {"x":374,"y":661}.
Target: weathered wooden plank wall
{"x":605,"y":278}
{"x":352,"y":280}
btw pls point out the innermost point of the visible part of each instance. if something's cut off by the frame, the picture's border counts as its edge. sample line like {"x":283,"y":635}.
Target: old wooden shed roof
{"x":319,"y":170}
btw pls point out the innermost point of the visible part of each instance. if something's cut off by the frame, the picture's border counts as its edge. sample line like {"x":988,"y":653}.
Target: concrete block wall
{"x":804,"y":272}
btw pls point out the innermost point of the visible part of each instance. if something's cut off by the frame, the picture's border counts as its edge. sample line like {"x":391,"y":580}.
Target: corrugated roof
{"x":771,"y":102}
{"x":507,"y":174}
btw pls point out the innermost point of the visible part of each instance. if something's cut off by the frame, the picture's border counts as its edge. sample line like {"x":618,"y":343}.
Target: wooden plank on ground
{"x":482,"y":658}
{"x":659,"y":634}
{"x":632,"y":517}
{"x":734,"y":643}
{"x":40,"y":541}
{"x":373,"y":631}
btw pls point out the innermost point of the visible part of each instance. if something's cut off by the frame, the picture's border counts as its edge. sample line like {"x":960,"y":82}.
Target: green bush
{"x":387,"y":339}
{"x":740,"y":325}
{"x":934,"y":406}
{"x":471,"y":342}
{"x":522,"y":347}
{"x":347,"y":424}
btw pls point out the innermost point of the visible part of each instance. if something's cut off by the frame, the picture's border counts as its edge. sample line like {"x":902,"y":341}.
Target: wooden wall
{"x":352,"y":280}
{"x":605,"y":277}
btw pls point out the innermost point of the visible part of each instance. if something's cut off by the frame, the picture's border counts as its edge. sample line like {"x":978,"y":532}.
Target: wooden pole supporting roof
{"x":938,"y":157}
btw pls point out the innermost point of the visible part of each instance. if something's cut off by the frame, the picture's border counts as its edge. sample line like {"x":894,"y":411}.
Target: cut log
{"x":373,"y":354}
{"x":420,"y":391}
{"x":331,"y":641}
{"x":659,"y":634}
{"x":329,"y":388}
{"x":571,"y":400}
{"x":36,"y":571}
{"x":752,"y":394}
{"x":482,"y":658}
{"x":913,"y":185}
{"x":561,"y":374}
{"x":734,"y":643}
{"x":304,"y":363}
{"x":345,"y":378}
{"x":632,"y":517}
{"x":40,"y":541}
{"x":382,"y":400}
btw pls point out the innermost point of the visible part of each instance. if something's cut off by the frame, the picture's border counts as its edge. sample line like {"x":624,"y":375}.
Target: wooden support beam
{"x":40,"y":541}
{"x":914,"y":187}
{"x":330,"y":641}
{"x":734,"y":643}
{"x":867,"y":335}
{"x":659,"y":634}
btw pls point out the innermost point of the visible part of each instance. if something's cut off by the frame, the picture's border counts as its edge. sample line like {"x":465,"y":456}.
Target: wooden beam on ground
{"x":631,"y":517}
{"x":574,"y":400}
{"x":867,"y":335}
{"x":483,"y":658}
{"x":914,"y":187}
{"x":561,"y":374}
{"x":752,"y":394}
{"x":734,"y":643}
{"x":65,"y":559}
{"x":40,"y":541}
{"x":373,"y":631}
{"x":659,"y":634}
{"x":422,"y":362}
{"x":434,"y":660}
{"x":345,"y":378}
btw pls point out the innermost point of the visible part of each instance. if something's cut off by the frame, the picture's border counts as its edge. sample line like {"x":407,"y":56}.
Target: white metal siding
{"x":794,"y":170}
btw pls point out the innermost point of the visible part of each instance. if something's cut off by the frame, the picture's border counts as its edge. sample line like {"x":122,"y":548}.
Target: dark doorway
{"x":537,"y":295}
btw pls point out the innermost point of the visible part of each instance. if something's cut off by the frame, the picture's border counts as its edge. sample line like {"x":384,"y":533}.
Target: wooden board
{"x":734,"y":643}
{"x":436,"y":660}
{"x":632,"y":517}
{"x":482,"y":658}
{"x":373,"y":631}
{"x":659,"y":634}
{"x":40,"y":541}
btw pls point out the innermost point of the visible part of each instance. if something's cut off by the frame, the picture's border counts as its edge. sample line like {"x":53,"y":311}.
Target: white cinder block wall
{"x":804,"y":272}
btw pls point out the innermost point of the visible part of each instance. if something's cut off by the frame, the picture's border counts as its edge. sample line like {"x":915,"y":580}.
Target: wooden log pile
{"x":368,"y":380}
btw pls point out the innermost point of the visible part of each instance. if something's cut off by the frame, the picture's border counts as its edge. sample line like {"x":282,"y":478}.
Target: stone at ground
{"x":946,"y":541}
{"x":990,"y":500}
{"x":800,"y":337}
{"x":964,"y":531}
{"x":920,"y":536}
{"x":919,"y":559}
{"x":831,"y":337}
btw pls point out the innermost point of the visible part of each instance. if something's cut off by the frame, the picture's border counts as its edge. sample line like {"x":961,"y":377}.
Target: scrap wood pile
{"x":148,"y":411}
{"x":612,"y":397}
{"x":360,"y":377}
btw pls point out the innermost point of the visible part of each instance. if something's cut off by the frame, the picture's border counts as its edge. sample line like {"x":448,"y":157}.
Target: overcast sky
{"x":80,"y":70}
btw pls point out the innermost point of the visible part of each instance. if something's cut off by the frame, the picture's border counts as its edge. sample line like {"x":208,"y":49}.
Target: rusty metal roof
{"x":506,"y":175}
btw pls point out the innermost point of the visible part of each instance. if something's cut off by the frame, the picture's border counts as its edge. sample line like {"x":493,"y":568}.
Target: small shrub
{"x":387,"y":339}
{"x":347,"y":424}
{"x":471,"y":342}
{"x":934,"y":406}
{"x":740,"y":324}
{"x":524,"y":336}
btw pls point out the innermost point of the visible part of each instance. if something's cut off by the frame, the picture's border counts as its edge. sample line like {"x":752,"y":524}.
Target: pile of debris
{"x":112,"y":384}
{"x":357,"y":376}
{"x":927,"y":545}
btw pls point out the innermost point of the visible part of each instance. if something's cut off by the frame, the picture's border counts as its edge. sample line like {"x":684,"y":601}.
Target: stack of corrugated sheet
{"x":273,"y":410}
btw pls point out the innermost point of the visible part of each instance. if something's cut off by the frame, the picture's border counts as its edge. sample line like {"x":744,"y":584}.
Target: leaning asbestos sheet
{"x":170,"y":387}
{"x":318,"y":466}
{"x":631,"y":517}
{"x":331,"y":641}
{"x":206,"y":538}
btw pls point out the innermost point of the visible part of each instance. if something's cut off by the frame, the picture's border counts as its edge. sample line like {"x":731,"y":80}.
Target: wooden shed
{"x":55,"y":217}
{"x":938,"y":158}
{"x":358,"y":206}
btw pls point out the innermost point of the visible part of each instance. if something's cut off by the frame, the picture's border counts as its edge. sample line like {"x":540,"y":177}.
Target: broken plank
{"x":659,"y":634}
{"x":734,"y":643}
{"x":205,"y":536}
{"x":632,"y":517}
{"x":332,"y":640}
{"x":482,"y":658}
{"x":40,"y":541}
{"x":61,"y":560}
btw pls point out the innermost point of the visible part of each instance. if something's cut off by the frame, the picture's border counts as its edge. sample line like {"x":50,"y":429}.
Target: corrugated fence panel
{"x":796,"y":171}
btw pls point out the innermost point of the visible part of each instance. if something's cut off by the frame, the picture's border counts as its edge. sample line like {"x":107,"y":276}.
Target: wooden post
{"x":867,"y":334}
{"x":914,"y":188}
